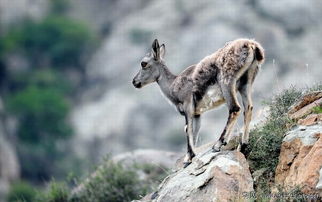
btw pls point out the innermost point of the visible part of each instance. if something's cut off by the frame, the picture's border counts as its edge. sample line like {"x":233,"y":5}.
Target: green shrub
{"x":317,"y":109}
{"x":38,"y":95}
{"x":266,"y":139}
{"x":112,"y":182}
{"x":21,"y":192}
{"x":41,"y":112}
{"x":56,"y":41}
{"x":44,"y":78}
{"x":57,"y":192}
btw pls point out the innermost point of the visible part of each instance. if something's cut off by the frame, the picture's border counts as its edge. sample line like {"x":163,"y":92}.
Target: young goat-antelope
{"x":215,"y":80}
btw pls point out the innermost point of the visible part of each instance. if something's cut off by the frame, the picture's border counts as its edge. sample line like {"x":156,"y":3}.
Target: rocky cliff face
{"x":222,"y":176}
{"x":225,"y":176}
{"x":300,"y":161}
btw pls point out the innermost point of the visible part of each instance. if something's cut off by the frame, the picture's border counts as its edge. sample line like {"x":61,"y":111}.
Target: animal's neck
{"x":165,"y":80}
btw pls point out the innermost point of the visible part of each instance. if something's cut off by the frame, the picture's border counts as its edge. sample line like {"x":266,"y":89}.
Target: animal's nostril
{"x":136,"y":84}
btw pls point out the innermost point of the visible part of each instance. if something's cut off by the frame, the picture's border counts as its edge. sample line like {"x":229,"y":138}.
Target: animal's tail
{"x":259,"y":54}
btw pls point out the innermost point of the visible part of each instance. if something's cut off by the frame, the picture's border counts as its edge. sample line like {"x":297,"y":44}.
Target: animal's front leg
{"x":190,"y":141}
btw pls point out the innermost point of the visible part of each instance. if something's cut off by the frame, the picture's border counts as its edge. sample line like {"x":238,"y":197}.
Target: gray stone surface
{"x":212,"y":176}
{"x":305,"y":133}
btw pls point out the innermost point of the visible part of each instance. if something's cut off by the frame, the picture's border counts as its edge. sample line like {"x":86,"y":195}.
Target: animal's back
{"x":228,"y":62}
{"x":225,"y":65}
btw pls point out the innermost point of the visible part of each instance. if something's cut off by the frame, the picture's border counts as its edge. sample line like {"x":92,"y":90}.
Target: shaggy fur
{"x":215,"y":80}
{"x":231,"y":61}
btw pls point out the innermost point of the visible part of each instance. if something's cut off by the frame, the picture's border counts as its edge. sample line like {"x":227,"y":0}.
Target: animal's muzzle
{"x":136,"y":84}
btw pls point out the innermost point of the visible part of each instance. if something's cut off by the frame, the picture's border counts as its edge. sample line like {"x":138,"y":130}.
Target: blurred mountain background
{"x":66,"y":98}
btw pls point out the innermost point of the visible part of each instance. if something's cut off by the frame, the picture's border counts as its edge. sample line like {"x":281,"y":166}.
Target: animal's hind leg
{"x":229,"y":93}
{"x":245,"y":93}
{"x":196,"y":128}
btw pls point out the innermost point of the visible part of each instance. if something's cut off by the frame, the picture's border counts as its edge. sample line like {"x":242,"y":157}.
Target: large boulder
{"x":300,"y":161}
{"x":221,"y":176}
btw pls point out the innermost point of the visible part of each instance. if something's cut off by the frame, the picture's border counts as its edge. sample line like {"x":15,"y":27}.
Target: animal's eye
{"x":143,"y":64}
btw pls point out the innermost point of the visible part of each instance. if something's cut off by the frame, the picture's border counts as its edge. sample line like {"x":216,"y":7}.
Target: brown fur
{"x":229,"y":61}
{"x":215,"y":80}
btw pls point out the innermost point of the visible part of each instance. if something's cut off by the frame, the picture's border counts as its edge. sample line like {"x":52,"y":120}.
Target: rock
{"x":300,"y":160}
{"x":305,"y":105}
{"x":221,"y":176}
{"x":305,"y":100}
{"x":310,"y":120}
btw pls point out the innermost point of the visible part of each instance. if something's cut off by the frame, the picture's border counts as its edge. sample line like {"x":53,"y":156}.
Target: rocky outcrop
{"x":300,"y":161}
{"x":305,"y":105}
{"x":221,"y":176}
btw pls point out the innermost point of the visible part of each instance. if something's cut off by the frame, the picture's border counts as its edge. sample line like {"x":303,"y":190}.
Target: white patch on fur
{"x":212,"y":99}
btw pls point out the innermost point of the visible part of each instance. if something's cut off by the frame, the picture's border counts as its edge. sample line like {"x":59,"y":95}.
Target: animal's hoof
{"x":186,"y":164}
{"x":214,"y":150}
{"x":218,"y":145}
{"x":154,"y":195}
{"x":243,"y":148}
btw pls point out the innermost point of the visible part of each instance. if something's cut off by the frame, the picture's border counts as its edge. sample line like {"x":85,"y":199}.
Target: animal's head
{"x":150,"y":66}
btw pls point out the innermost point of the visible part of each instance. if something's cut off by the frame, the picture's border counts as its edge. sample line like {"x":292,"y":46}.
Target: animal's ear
{"x":162,"y":51}
{"x":156,"y":49}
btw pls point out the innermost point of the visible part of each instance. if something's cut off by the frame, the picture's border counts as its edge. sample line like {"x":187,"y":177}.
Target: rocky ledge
{"x":210,"y":177}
